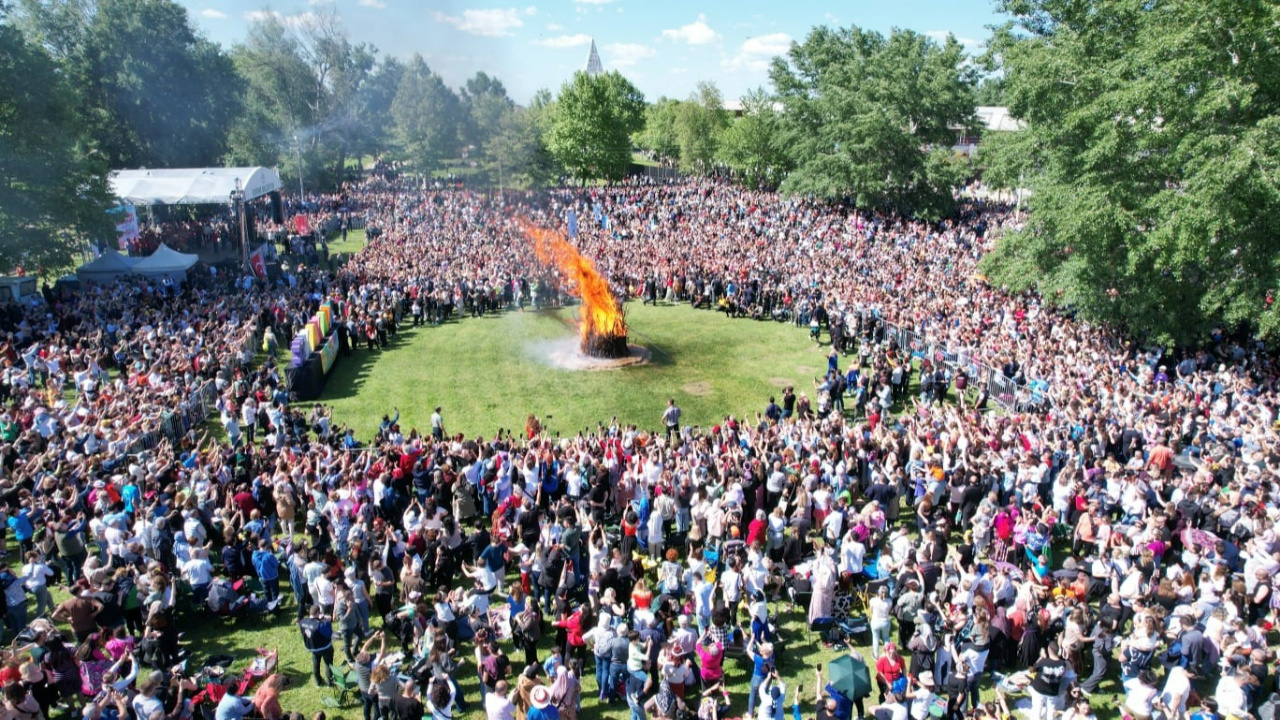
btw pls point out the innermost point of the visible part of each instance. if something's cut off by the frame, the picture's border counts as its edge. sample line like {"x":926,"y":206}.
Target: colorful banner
{"x":329,"y":353}
{"x":126,"y":221}
{"x":301,"y":224}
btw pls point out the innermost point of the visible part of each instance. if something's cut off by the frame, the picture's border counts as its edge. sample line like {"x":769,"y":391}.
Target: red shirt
{"x":890,"y":669}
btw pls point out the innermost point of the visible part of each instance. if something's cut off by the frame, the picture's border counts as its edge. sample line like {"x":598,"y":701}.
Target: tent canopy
{"x":192,"y":186}
{"x":106,"y":268}
{"x":165,"y":262}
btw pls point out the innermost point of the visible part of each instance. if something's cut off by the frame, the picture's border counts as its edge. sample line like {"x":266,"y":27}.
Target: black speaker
{"x":277,"y":208}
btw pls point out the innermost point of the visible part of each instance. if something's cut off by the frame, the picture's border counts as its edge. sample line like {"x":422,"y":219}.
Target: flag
{"x":259,"y":264}
{"x":573,"y":224}
{"x":301,"y":225}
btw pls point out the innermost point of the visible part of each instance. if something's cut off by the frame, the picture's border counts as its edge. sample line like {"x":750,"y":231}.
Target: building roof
{"x":997,"y":119}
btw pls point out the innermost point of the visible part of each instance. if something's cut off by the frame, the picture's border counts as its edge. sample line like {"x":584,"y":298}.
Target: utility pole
{"x":237,"y":199}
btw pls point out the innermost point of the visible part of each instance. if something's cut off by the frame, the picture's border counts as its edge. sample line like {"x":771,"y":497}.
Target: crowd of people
{"x":1119,"y":537}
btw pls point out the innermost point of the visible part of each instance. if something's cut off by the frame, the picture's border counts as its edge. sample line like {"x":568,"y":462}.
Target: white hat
{"x":540,"y":696}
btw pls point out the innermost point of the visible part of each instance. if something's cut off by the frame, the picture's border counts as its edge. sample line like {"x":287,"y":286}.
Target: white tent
{"x":106,"y":268}
{"x":192,"y":186}
{"x":166,"y":262}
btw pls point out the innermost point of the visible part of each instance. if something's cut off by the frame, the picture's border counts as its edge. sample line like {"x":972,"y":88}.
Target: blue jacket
{"x":266,"y":564}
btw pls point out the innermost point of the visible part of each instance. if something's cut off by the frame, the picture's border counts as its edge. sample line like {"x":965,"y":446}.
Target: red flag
{"x":301,"y":225}
{"x":259,"y":265}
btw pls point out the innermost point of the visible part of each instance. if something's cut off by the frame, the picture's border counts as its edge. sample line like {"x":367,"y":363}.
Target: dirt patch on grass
{"x":698,"y":389}
{"x":781,"y":382}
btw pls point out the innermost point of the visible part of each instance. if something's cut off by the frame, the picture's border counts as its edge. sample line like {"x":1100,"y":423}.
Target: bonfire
{"x":601,"y":322}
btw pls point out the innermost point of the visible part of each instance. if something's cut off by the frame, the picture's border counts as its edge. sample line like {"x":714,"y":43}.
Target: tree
{"x":752,"y":144}
{"x":486,"y":105}
{"x":520,"y":150}
{"x":700,"y":122}
{"x":863,"y":112}
{"x":659,"y":133}
{"x":53,"y":189}
{"x":591,"y":130}
{"x":427,"y":116}
{"x":377,"y":94}
{"x":154,"y":92}
{"x":1152,"y":147}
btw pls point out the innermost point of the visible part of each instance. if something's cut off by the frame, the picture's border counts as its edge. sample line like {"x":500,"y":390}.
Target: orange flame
{"x":600,"y":314}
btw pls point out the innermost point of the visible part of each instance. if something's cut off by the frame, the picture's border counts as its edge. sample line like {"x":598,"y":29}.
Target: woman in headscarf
{"x":525,"y":684}
{"x":566,"y":691}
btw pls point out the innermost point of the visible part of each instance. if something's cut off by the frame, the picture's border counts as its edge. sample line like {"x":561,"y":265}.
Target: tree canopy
{"x":53,"y":190}
{"x":871,"y":118}
{"x":1152,"y":149}
{"x":590,"y":131}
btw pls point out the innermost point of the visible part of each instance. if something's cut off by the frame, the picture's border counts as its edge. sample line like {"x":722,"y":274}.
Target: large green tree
{"x":700,"y":123}
{"x":1152,"y":147}
{"x":752,"y":146}
{"x":428,"y":117}
{"x":53,"y":190}
{"x":659,"y":133}
{"x":153,"y":91}
{"x":312,"y":96}
{"x":868,"y":117}
{"x":594,"y":119}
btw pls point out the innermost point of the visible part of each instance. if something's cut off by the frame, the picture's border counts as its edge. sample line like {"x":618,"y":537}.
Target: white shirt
{"x":498,"y":707}
{"x":198,"y":571}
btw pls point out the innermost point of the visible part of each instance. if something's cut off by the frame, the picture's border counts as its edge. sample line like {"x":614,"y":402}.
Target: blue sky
{"x":664,"y":47}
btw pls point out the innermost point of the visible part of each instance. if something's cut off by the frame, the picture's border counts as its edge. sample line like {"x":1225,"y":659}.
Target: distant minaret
{"x":594,"y":66}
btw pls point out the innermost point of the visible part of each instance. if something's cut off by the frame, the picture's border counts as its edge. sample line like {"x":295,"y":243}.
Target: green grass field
{"x":487,"y":373}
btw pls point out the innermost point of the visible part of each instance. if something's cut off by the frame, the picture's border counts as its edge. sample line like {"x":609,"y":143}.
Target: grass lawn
{"x":486,"y":374}
{"x":344,"y":249}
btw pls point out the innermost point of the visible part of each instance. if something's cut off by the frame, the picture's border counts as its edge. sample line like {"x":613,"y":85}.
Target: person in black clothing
{"x":1102,"y":643}
{"x":1046,"y":681}
{"x":317,"y":635}
{"x":406,"y":705}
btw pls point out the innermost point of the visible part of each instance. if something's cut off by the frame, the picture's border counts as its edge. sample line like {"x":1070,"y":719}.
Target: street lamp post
{"x":237,"y":199}
{"x":297,"y":145}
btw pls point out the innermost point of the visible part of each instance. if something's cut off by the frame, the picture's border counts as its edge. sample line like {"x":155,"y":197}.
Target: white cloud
{"x":379,"y":4}
{"x":494,"y":22}
{"x":561,"y":42}
{"x":697,"y":32}
{"x":969,"y":44}
{"x":262,"y":15}
{"x":593,"y":2}
{"x":627,"y":54}
{"x":756,"y":52}
{"x":213,"y":14}
{"x":531,"y":10}
{"x":552,"y":27}
{"x":831,"y":18}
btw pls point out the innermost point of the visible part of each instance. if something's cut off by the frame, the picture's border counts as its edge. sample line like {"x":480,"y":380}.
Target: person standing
{"x":267,"y":565}
{"x":671,"y":418}
{"x":317,"y":635}
{"x":437,"y":425}
{"x":1046,"y":683}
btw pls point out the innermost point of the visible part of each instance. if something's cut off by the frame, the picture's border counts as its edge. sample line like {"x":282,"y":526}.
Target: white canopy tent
{"x":192,"y":186}
{"x":106,"y":268}
{"x":166,"y":262}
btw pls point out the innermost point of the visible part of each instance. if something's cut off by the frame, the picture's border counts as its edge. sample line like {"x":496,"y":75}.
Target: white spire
{"x":594,"y":66}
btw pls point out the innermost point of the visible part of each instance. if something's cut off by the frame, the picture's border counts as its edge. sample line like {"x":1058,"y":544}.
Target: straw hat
{"x":540,"y":696}
{"x":926,"y":679}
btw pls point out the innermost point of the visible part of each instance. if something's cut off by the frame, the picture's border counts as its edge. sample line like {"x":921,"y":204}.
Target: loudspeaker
{"x":277,"y":207}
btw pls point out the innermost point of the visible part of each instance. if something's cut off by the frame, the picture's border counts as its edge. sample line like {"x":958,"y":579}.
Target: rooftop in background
{"x":997,"y":119}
